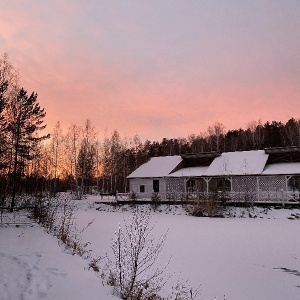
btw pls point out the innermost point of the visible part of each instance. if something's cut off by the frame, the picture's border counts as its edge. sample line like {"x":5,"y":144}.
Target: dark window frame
{"x":156,"y":185}
{"x":223,"y":185}
{"x":294,"y":183}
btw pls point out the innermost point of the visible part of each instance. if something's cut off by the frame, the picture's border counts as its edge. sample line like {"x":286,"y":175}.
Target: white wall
{"x":134,"y":185}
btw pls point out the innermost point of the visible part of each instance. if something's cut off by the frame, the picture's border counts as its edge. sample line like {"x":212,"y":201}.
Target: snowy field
{"x":238,"y":258}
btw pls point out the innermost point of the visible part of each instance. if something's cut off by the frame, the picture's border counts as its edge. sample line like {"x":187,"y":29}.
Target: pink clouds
{"x":158,"y":70}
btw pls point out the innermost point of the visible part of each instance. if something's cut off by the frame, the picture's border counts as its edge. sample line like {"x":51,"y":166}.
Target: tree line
{"x":76,"y":159}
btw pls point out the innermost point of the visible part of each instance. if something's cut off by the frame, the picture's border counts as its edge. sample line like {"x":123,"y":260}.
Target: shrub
{"x":209,"y":206}
{"x":94,"y":264}
{"x":133,"y":271}
{"x":182,"y":291}
{"x":155,"y":200}
{"x":58,"y":219}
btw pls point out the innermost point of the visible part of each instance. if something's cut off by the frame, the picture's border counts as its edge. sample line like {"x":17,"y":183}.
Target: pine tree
{"x":25,"y":118}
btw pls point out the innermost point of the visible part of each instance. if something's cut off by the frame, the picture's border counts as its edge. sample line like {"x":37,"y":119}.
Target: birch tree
{"x":86,"y":155}
{"x":105,"y":162}
{"x":72,"y":143}
{"x":216,"y":132}
{"x":56,"y":150}
{"x":9,"y":84}
{"x":115,"y":150}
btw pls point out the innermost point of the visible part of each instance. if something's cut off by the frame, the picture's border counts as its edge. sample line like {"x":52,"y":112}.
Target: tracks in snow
{"x":23,"y":278}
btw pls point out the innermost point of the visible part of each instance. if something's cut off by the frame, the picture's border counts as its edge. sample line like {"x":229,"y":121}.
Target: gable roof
{"x":238,"y":163}
{"x":157,"y":167}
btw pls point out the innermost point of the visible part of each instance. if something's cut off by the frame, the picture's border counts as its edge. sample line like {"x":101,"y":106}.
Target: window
{"x":294,"y":183}
{"x":142,"y":189}
{"x":191,"y":185}
{"x":223,"y":185}
{"x":156,"y":186}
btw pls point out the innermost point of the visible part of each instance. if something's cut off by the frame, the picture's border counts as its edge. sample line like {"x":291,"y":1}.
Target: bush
{"x":133,"y":271}
{"x":133,"y":196}
{"x":57,"y":216}
{"x":155,"y":200}
{"x":210,"y":206}
{"x":182,"y":291}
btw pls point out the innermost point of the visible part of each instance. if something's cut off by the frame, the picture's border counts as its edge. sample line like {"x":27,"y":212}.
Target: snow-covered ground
{"x":33,"y":266}
{"x":254,"y":255}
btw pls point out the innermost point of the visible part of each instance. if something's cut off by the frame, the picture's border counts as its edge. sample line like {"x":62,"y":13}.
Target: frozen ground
{"x":252,"y":256}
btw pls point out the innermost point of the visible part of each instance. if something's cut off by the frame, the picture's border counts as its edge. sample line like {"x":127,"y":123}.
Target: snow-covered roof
{"x":157,"y":167}
{"x":289,"y":168}
{"x":229,"y":163}
{"x":189,"y":172}
{"x":238,"y":163}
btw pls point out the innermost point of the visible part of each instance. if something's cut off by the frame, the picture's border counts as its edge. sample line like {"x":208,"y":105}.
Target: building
{"x":260,"y":175}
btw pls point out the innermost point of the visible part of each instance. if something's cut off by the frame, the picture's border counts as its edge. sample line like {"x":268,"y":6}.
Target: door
{"x":156,"y":186}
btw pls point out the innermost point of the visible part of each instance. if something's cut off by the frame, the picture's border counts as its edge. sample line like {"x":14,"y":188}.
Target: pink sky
{"x":157,"y":68}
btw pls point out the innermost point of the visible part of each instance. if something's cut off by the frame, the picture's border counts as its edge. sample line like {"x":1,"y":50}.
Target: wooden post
{"x":282,"y":198}
{"x":257,"y":183}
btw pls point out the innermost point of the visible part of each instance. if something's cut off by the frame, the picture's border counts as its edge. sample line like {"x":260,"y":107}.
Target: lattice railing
{"x":244,"y":183}
{"x":249,"y":197}
{"x":175,"y":185}
{"x":271,"y":183}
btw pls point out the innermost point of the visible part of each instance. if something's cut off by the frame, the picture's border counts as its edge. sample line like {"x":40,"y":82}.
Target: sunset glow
{"x":157,"y":68}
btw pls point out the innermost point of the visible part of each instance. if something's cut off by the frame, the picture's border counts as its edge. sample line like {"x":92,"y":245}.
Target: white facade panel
{"x":137,"y":183}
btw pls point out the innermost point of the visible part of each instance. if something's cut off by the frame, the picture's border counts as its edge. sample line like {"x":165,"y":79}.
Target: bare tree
{"x":216,"y":132}
{"x":56,"y":151}
{"x":98,"y":170}
{"x":9,"y":85}
{"x":87,"y":153}
{"x":115,"y":150}
{"x":133,"y":270}
{"x":256,"y":130}
{"x":72,"y":149}
{"x":197,"y":143}
{"x":137,"y":148}
{"x":105,"y":162}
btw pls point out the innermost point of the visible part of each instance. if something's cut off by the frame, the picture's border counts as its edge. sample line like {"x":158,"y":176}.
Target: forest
{"x":35,"y":159}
